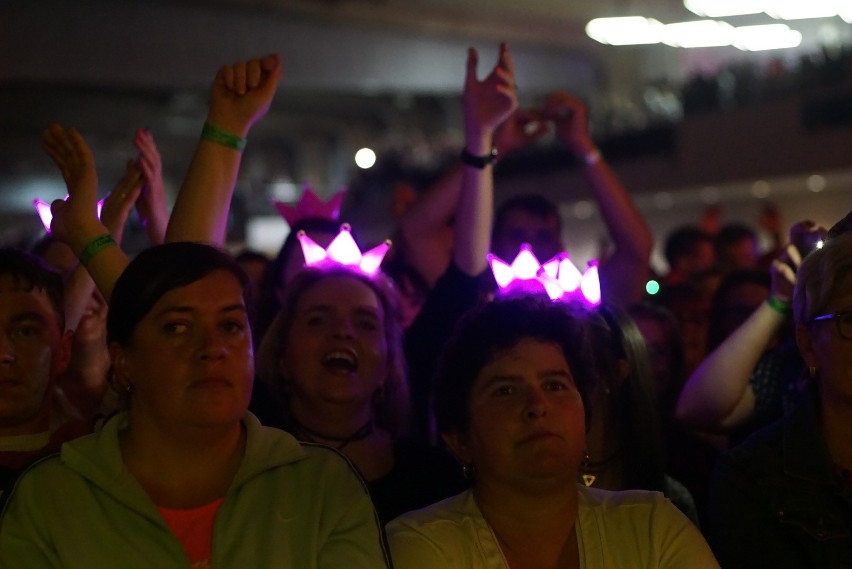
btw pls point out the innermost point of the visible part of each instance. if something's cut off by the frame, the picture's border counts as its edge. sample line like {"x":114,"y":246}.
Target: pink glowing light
{"x":310,"y":205}
{"x":524,"y":267}
{"x":343,"y":251}
{"x":559,"y":277}
{"x":591,"y":284}
{"x":46,"y":216}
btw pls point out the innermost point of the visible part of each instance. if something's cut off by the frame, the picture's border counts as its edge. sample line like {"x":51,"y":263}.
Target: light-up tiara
{"x":310,"y":205}
{"x":558,"y":277}
{"x":343,"y":251}
{"x":44,"y":213}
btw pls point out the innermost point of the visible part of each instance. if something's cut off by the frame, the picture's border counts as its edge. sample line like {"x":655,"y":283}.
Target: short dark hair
{"x":534,"y":204}
{"x":683,"y":241}
{"x":733,"y":233}
{"x":156,"y":271}
{"x":494,"y":327}
{"x":30,"y":272}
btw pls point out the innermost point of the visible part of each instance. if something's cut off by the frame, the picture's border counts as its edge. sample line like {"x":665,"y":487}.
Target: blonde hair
{"x":819,"y":276}
{"x":391,"y":407}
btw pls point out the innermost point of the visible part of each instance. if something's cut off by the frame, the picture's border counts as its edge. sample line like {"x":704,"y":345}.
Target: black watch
{"x":479,"y":161}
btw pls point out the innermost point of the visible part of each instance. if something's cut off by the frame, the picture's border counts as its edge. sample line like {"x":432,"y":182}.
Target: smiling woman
{"x":510,"y":404}
{"x":332,"y":371}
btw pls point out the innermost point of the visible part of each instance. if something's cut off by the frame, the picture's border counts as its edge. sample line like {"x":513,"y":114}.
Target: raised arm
{"x":117,"y":205}
{"x":485,"y":104}
{"x":75,"y":221}
{"x":424,"y":223}
{"x":718,"y":396}
{"x":624,"y":273}
{"x":239,"y":97}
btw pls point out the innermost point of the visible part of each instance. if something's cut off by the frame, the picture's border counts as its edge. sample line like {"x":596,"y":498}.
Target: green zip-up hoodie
{"x":291,"y":504}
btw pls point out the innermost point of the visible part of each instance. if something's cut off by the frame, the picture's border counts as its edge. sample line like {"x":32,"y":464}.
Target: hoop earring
{"x":588,"y":479}
{"x":468,"y":471}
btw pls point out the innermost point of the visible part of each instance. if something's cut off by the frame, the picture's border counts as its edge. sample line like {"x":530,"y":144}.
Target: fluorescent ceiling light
{"x":702,"y":33}
{"x":801,"y":9}
{"x":630,"y":30}
{"x":771,"y":36}
{"x":724,"y":8}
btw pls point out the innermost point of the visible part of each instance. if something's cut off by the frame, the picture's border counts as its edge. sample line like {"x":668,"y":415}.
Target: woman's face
{"x":828,"y":351}
{"x":526,"y":418}
{"x":190,"y":359}
{"x":337,"y":350}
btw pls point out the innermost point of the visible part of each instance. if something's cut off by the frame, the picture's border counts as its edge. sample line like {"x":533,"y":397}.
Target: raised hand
{"x":522,"y":129}
{"x":119,"y":202}
{"x":151,"y":205}
{"x":75,"y":220}
{"x":571,"y":121}
{"x":241,"y":93}
{"x":783,"y":273}
{"x":489,"y":102}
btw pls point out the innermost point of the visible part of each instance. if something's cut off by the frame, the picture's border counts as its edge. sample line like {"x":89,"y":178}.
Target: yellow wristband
{"x":95,"y":246}
{"x":221,"y":136}
{"x":779,"y":305}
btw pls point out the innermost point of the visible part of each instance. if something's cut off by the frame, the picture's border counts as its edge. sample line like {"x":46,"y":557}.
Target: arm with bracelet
{"x":485,"y":105}
{"x":625,"y":272}
{"x":75,"y":220}
{"x":718,"y":395}
{"x":239,"y":97}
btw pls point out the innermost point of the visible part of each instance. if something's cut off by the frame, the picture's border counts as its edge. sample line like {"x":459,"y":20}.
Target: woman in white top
{"x":509,"y":404}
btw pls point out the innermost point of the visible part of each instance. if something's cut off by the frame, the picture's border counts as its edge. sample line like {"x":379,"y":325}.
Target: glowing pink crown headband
{"x":343,"y":251}
{"x":311,"y":206}
{"x":44,"y":213}
{"x":559,"y":277}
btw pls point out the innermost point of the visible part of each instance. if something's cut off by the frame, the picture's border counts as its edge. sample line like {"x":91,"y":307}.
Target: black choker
{"x":316,"y":437}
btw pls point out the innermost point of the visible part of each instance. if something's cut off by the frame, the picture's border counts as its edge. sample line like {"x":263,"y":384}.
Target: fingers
{"x":783,"y":289}
{"x":472,"y":62}
{"x":226,"y":74}
{"x":271,"y":62}
{"x":53,"y":142}
{"x":562,"y":105}
{"x":69,"y":151}
{"x":149,"y":156}
{"x":792,"y":253}
{"x":253,"y":73}
{"x":245,"y":76}
{"x":505,"y":59}
{"x":57,"y":211}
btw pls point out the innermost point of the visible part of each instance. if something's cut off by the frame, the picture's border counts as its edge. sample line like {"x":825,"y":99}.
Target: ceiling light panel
{"x":725,"y":8}
{"x":630,"y":30}
{"x":761,"y":38}
{"x":701,"y":33}
{"x":803,"y":9}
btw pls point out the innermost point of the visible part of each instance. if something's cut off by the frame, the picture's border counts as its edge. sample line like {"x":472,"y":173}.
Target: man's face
{"x":33,"y":351}
{"x":518,"y":227}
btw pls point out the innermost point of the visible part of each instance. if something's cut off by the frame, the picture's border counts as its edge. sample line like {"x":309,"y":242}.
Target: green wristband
{"x":779,"y":306}
{"x":215,"y":134}
{"x":95,"y":246}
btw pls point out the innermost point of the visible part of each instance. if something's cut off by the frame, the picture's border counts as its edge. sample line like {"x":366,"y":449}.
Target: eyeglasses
{"x":843,"y":320}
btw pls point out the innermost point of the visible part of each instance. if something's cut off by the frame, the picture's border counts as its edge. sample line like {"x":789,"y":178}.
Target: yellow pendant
{"x":589,"y":479}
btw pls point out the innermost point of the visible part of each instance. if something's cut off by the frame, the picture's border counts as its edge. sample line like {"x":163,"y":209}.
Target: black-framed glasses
{"x":842,"y":319}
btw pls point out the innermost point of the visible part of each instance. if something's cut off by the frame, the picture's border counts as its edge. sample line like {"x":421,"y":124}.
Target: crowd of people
{"x":338,"y":406}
